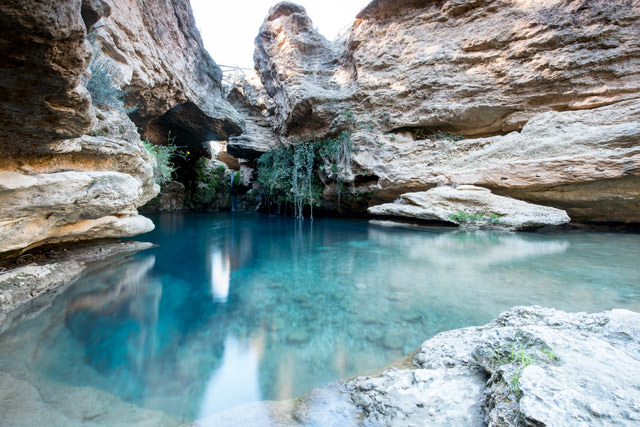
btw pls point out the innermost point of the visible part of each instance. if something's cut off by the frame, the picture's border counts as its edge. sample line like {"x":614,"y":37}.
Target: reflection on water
{"x":234,"y":309}
{"x":219,"y":271}
{"x":235,"y":381}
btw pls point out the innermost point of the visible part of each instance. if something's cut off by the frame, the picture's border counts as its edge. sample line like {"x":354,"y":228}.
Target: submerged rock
{"x":472,"y":206}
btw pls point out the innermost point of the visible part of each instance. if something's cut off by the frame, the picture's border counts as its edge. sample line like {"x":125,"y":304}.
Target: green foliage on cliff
{"x":164,"y":168}
{"x":290,"y":174}
{"x":104,"y":91}
{"x":213,"y":179}
{"x":286,"y":174}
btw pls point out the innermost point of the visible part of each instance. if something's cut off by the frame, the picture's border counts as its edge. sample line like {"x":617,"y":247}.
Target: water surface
{"x":237,"y":308}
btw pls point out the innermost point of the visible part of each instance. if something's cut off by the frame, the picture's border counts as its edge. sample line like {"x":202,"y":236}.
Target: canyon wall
{"x":538,"y":100}
{"x":73,"y":167}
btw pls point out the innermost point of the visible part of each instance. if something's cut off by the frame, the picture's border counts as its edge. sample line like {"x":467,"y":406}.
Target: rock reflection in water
{"x":472,"y":249}
{"x":116,"y":325}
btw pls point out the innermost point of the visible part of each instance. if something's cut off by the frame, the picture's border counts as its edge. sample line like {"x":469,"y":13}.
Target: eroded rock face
{"x":70,"y":170}
{"x":545,"y":93}
{"x":44,"y":55}
{"x":249,"y":98}
{"x":471,"y":206}
{"x":169,"y":77}
{"x":77,"y":189}
{"x":301,"y":70}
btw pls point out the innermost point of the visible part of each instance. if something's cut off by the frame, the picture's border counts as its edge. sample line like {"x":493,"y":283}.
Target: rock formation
{"x":546,"y":95}
{"x":249,"y":98}
{"x":170,"y":79}
{"x":72,"y":169}
{"x":471,"y":206}
{"x":530,"y":366}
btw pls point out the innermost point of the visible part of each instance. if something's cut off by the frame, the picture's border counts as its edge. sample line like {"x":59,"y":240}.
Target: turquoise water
{"x":236,"y":308}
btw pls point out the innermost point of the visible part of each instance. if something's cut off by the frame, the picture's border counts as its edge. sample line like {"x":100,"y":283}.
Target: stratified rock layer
{"x":546,"y":94}
{"x":472,"y":206}
{"x":70,"y":170}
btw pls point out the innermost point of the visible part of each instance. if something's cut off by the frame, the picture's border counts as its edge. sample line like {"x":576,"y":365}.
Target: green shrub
{"x":289,"y":174}
{"x":164,"y":169}
{"x":286,"y":174}
{"x":104,"y":92}
{"x":213,"y":183}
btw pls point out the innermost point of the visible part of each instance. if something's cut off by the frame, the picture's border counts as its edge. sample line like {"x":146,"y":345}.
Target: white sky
{"x":228,"y":27}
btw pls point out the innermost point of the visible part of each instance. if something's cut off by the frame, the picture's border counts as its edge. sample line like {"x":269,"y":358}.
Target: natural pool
{"x":238,"y":308}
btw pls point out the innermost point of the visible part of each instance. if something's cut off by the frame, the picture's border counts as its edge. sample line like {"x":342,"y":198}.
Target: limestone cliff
{"x":170,"y":79}
{"x":72,"y":168}
{"x":249,"y":98}
{"x":545,"y":93}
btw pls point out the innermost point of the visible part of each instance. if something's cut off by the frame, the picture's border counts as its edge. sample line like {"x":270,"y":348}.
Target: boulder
{"x":473,"y":207}
{"x":530,"y":366}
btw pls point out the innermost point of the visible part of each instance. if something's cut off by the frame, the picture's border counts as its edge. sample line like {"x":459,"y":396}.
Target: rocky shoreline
{"x":530,"y":366}
{"x":29,"y":283}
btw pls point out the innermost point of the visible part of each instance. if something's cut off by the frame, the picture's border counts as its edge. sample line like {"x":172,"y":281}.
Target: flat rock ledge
{"x":470,"y":206}
{"x":530,"y":366}
{"x":35,"y":276}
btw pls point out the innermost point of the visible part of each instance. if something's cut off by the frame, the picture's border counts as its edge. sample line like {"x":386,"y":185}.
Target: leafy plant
{"x":213,"y":178}
{"x":100,"y":132}
{"x":550,"y":354}
{"x":104,"y":91}
{"x":164,"y":168}
{"x":237,"y":179}
{"x":348,"y":114}
{"x":289,"y":174}
{"x":515,"y":384}
{"x":212,"y":186}
{"x":286,"y":174}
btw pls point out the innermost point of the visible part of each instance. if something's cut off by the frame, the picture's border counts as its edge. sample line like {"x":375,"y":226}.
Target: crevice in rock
{"x":366,"y":180}
{"x":189,"y":127}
